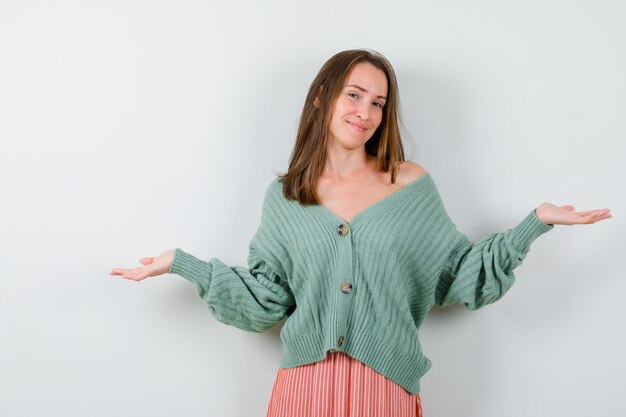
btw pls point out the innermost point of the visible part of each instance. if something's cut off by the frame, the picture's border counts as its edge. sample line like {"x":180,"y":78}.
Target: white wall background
{"x":132,"y":127}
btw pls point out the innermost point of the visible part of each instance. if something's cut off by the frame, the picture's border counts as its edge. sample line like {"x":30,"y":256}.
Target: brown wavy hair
{"x":309,"y":152}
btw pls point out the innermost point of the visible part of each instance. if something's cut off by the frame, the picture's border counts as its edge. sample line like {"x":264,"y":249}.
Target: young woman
{"x":355,"y":247}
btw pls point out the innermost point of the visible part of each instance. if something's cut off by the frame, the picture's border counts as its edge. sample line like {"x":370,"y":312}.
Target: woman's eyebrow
{"x":364,"y":90}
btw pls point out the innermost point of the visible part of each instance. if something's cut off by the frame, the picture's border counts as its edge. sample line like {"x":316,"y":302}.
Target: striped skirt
{"x":339,"y":386}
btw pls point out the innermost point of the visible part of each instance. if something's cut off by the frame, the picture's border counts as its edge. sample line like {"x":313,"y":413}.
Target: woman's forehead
{"x":368,"y":77}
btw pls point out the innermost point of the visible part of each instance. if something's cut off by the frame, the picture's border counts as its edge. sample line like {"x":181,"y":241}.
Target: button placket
{"x":344,"y":284}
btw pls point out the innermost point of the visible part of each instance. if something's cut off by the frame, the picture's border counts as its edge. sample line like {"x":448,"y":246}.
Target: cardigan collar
{"x":380,"y":206}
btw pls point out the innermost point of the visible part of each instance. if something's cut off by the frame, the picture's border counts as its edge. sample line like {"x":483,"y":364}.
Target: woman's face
{"x":358,"y":110}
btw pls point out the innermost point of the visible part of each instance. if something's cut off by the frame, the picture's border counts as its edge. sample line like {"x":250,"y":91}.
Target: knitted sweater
{"x":362,"y":287}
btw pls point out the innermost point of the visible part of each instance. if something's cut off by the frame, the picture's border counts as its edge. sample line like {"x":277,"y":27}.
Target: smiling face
{"x":358,"y":109}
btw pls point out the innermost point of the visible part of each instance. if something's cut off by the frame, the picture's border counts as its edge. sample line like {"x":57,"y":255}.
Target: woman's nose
{"x":363,"y":112}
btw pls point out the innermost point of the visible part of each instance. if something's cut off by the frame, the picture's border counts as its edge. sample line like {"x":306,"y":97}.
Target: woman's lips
{"x":357,"y":127}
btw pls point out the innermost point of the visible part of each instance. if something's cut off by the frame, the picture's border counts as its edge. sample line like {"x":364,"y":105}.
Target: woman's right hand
{"x":152,"y":266}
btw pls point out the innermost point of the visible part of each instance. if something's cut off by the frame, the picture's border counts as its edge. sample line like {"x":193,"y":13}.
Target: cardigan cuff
{"x":527,"y":231}
{"x":191,"y":268}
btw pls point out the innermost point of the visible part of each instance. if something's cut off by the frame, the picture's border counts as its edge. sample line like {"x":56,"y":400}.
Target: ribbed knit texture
{"x":403,"y":255}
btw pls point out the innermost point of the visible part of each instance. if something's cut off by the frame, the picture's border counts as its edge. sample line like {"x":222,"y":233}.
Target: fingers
{"x":594,"y":216}
{"x":135,"y":274}
{"x":596,"y":211}
{"x":602,"y":215}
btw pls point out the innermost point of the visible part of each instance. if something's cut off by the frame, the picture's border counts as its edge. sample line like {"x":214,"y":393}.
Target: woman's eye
{"x":377,"y":104}
{"x":353,"y":95}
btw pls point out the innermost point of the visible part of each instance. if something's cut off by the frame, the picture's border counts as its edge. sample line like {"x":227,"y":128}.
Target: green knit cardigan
{"x":362,"y":287}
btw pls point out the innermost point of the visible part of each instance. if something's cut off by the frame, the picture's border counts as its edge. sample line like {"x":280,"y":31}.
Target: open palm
{"x":152,"y":266}
{"x":566,"y":215}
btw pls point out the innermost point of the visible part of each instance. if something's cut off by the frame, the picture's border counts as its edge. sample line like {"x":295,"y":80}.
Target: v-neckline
{"x":376,"y":206}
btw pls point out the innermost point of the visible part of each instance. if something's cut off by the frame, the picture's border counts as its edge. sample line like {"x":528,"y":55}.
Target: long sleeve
{"x":477,"y":274}
{"x":252,"y":299}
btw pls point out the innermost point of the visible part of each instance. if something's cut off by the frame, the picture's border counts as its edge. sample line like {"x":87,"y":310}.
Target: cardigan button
{"x":346,"y":287}
{"x":344,"y":229}
{"x":340,"y":341}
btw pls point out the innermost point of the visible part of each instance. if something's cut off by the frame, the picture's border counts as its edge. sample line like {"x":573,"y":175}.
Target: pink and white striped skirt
{"x":339,"y":386}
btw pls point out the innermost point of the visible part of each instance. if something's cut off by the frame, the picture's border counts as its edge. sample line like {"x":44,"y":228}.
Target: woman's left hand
{"x":551,"y":214}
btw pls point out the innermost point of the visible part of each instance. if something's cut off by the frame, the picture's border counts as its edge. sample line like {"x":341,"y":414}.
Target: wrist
{"x":540,"y":213}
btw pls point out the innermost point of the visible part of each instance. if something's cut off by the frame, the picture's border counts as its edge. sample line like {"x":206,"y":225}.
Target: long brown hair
{"x":309,"y":153}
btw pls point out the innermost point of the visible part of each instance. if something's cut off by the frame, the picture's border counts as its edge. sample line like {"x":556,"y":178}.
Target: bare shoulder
{"x":409,"y":171}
